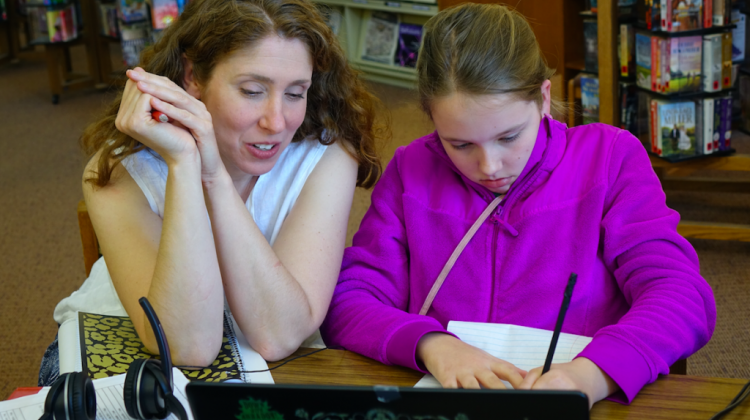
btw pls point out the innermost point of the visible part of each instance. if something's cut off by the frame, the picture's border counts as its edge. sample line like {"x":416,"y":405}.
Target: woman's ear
{"x":546,"y":97}
{"x":189,"y":83}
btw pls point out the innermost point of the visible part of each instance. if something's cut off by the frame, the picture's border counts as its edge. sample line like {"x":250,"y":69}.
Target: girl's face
{"x":490,"y":137}
{"x":257,"y":98}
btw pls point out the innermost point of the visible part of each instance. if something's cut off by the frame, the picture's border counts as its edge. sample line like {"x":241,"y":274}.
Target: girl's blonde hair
{"x":480,"y":49}
{"x":209,"y":30}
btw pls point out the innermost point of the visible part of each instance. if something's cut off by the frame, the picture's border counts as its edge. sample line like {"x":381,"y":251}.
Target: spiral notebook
{"x":109,"y":344}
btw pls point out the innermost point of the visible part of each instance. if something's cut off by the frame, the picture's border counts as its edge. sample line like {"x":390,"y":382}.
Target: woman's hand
{"x":192,"y":130}
{"x":456,"y":364}
{"x":580,"y":375}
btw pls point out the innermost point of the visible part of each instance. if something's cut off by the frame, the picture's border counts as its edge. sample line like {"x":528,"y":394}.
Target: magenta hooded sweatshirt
{"x":587,"y":202}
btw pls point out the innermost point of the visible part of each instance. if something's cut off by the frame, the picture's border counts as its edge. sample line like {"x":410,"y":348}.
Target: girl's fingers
{"x":468,"y":381}
{"x":530,"y":379}
{"x":489,"y":379}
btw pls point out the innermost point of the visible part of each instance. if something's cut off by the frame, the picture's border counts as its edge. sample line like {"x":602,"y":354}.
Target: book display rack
{"x":680,"y":95}
{"x":381,"y":38}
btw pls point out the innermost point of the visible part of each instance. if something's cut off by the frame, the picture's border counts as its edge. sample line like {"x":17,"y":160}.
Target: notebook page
{"x":251,"y":359}
{"x":524,"y":347}
{"x":109,"y":401}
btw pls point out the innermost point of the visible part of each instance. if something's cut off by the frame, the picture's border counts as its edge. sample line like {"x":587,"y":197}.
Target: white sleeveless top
{"x":270,"y":202}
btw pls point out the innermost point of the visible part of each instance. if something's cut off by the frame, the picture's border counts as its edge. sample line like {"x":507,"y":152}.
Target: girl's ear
{"x":546,"y":97}
{"x":189,"y":83}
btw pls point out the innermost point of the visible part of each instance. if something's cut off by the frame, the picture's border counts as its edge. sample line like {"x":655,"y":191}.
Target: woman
{"x":582,"y":200}
{"x":243,"y":195}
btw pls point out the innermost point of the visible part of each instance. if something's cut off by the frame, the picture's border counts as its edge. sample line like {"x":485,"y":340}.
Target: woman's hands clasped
{"x":189,"y":137}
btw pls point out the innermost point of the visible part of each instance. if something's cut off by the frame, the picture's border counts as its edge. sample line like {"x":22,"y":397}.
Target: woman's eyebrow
{"x":268,"y":80}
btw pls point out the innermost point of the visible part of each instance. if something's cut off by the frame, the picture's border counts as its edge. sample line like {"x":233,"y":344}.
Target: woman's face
{"x":257,"y":98}
{"x":490,"y":137}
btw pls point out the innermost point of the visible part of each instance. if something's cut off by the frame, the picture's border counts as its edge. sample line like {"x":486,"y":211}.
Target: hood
{"x":547,"y":152}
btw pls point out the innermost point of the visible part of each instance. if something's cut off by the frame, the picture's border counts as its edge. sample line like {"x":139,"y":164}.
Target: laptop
{"x":210,"y":401}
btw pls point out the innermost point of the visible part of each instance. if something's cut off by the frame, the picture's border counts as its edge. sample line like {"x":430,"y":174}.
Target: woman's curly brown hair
{"x":210,"y":30}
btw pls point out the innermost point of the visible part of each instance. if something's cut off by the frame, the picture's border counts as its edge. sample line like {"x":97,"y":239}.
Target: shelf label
{"x":392,"y":4}
{"x":360,"y":1}
{"x":420,"y":7}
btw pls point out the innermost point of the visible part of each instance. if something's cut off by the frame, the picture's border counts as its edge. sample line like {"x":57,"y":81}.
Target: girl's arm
{"x":672,"y":310}
{"x":279,"y":295}
{"x":171,"y":261}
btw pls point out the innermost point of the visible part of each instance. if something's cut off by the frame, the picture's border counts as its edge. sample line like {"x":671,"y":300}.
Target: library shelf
{"x":688,"y":95}
{"x":353,"y":32}
{"x":705,"y":31}
{"x":669,"y":159}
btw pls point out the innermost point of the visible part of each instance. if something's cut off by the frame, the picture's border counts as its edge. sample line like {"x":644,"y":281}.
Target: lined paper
{"x":524,"y":347}
{"x":109,"y":401}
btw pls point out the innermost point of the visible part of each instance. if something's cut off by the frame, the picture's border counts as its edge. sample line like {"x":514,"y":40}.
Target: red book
{"x":708,"y":13}
{"x":24,"y":392}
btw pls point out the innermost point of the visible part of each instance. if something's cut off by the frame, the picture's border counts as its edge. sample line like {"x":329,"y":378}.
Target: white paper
{"x":69,"y":345}
{"x":524,"y":347}
{"x":109,"y":401}
{"x":251,"y":359}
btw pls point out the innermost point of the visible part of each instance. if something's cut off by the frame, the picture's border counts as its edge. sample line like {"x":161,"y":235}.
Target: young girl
{"x":582,"y":200}
{"x":244,"y":194}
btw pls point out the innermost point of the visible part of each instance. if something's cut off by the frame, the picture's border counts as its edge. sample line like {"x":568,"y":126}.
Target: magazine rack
{"x":352,"y":33}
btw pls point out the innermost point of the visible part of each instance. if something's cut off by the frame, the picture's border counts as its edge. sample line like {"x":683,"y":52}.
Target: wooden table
{"x":671,"y":397}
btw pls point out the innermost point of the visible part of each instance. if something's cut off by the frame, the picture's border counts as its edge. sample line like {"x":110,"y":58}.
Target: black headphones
{"x":71,"y":397}
{"x":148,"y":389}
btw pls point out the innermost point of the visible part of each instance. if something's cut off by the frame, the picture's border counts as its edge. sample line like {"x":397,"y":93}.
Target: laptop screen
{"x":210,"y":401}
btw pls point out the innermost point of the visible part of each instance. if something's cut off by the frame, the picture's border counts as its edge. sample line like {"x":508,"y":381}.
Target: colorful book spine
{"x":665,"y":17}
{"x":655,"y":65}
{"x":717,"y":123}
{"x":643,"y":60}
{"x":708,"y":10}
{"x":739,"y":35}
{"x":163,"y":13}
{"x":665,"y":47}
{"x":655,"y":147}
{"x":726,"y":60}
{"x":725,"y":139}
{"x":707,"y":125}
{"x":712,"y":63}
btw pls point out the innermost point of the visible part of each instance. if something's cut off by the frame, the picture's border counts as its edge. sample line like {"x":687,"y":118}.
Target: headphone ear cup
{"x":81,"y":397}
{"x":130,"y":389}
{"x":144,"y":390}
{"x":53,"y":397}
{"x":152,"y":394}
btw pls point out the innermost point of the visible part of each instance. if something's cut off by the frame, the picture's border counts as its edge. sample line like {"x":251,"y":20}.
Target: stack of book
{"x":683,"y":63}
{"x":683,"y":15}
{"x":680,"y":129}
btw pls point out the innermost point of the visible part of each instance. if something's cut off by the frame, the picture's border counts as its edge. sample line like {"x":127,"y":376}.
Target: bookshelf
{"x":674,"y":176}
{"x":352,"y":34}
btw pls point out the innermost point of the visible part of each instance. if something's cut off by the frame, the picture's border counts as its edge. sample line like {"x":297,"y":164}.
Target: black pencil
{"x":560,"y":319}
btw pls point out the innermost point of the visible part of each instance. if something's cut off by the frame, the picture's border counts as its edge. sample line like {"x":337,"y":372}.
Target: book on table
{"x":109,"y":344}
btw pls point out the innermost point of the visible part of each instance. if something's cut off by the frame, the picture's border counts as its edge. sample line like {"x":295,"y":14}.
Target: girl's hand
{"x":192,"y":130}
{"x":456,"y":364}
{"x":580,"y":375}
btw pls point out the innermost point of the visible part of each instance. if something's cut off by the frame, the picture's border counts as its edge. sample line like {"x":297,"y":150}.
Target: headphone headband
{"x":161,"y":340}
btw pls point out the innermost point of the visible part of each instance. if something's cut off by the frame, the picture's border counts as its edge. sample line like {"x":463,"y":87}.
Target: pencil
{"x":160,"y":116}
{"x":560,"y":318}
